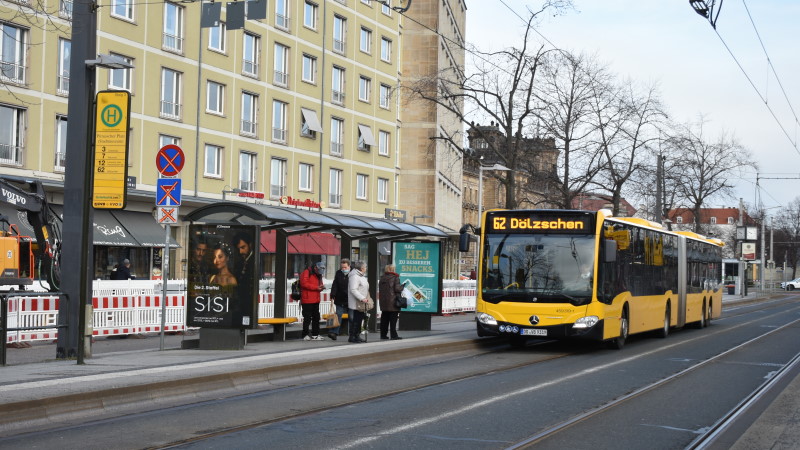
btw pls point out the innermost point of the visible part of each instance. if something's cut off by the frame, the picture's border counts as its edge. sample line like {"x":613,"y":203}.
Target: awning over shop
{"x":107,"y":230}
{"x":144,"y":228}
{"x":303,"y":244}
{"x":20,"y":220}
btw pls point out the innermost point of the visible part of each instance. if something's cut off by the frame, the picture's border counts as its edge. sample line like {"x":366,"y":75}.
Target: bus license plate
{"x":533,"y":332}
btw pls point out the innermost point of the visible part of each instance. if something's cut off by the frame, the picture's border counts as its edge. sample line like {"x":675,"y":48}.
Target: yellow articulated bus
{"x":558,"y":274}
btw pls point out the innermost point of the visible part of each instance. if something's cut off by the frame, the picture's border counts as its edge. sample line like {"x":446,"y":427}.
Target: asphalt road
{"x":487,"y":399}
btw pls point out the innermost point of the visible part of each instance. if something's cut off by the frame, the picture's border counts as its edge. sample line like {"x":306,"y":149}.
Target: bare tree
{"x":627,"y":123}
{"x":566,"y":100}
{"x":708,"y":169}
{"x":787,"y":227}
{"x":500,"y":87}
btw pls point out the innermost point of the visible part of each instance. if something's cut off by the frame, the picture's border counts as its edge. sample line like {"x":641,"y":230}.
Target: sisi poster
{"x":222,"y":290}
{"x":418,"y":264}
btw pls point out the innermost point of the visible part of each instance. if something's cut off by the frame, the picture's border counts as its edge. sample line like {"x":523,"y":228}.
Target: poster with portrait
{"x":419,"y":266}
{"x":222,"y":289}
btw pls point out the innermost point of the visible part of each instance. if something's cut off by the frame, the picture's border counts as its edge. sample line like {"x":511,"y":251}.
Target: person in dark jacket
{"x":311,"y":287}
{"x":124,"y":271}
{"x":388,"y":288}
{"x":339,"y":294}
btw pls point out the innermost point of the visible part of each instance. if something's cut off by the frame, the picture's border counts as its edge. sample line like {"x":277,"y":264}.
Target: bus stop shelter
{"x":288,"y":221}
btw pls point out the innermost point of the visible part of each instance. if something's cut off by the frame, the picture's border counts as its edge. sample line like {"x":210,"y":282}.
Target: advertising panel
{"x":419,"y":267}
{"x":222,"y":289}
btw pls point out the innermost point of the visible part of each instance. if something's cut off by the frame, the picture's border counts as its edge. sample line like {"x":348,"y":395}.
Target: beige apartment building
{"x":302,"y":104}
{"x":431,"y":168}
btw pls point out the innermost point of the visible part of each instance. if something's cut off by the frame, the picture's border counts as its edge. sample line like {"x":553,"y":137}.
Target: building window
{"x":335,"y":188}
{"x":366,"y":40}
{"x":386,"y":7}
{"x":13,"y":53}
{"x":121,"y":78}
{"x":309,"y":69}
{"x":339,"y":34}
{"x":309,"y":123}
{"x":164,"y":139}
{"x":337,"y":136}
{"x":213,"y":161}
{"x":365,"y":139}
{"x":173,"y":27}
{"x":65,"y":9}
{"x":250,"y":55}
{"x":306,"y":175}
{"x":122,"y":9}
{"x":215,"y":98}
{"x":281,"y":65}
{"x":61,"y":143}
{"x":730,"y":220}
{"x":385,"y":96}
{"x":337,"y":95}
{"x":278,"y":121}
{"x":282,"y":14}
{"x":386,"y":50}
{"x":383,"y":190}
{"x":310,"y":15}
{"x":679,"y":219}
{"x":362,"y":184}
{"x":713,"y":221}
{"x":216,"y":38}
{"x":12,"y":131}
{"x":367,"y":2}
{"x":170,"y":94}
{"x":364,"y":88}
{"x":62,"y":80}
{"x":383,"y":142}
{"x":247,"y":171}
{"x":277,"y":183}
{"x":249,"y":114}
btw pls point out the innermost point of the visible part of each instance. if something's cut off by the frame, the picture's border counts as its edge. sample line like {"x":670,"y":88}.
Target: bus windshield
{"x":550,"y":268}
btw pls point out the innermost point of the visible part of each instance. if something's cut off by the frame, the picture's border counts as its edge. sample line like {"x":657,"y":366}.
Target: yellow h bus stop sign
{"x":112,"y":121}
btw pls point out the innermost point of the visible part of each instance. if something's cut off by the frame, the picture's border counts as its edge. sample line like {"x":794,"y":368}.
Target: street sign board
{"x":167,"y":215}
{"x":170,"y":160}
{"x":110,"y":172}
{"x":168,"y":192}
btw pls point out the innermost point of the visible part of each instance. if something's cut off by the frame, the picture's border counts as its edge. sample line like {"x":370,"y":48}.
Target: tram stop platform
{"x":37,"y":390}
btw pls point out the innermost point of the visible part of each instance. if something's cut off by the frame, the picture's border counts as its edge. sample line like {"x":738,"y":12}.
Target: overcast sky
{"x":665,"y":41}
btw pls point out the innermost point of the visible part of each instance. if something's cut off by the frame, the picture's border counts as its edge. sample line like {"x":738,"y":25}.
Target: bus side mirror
{"x":610,"y":251}
{"x":463,"y":241}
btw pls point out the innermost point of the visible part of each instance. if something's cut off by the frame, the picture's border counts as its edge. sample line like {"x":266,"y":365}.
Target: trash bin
{"x":731,"y":289}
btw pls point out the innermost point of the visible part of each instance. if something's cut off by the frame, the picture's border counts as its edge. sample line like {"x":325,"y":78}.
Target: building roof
{"x":596,"y":202}
{"x":722,"y":215}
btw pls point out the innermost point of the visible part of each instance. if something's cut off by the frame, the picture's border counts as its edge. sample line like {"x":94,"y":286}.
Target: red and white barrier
{"x":121,"y":310}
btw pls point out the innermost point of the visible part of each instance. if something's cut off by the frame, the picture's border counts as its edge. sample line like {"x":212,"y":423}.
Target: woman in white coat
{"x":357,"y":293}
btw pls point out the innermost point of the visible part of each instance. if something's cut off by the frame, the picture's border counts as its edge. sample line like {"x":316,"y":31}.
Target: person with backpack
{"x":339,"y":294}
{"x":311,"y":287}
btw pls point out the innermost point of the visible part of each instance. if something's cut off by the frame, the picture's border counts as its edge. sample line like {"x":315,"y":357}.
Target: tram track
{"x":329,"y":407}
{"x":701,"y":441}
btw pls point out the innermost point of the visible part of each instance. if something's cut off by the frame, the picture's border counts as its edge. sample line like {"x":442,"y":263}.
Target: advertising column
{"x":419,"y":267}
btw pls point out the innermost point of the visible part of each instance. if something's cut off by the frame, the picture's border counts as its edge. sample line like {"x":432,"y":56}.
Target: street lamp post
{"x":481,"y":168}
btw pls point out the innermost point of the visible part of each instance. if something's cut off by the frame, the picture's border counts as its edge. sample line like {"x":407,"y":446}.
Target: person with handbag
{"x":310,"y":288}
{"x":389,"y":288}
{"x":358,"y":299}
{"x":339,"y":295}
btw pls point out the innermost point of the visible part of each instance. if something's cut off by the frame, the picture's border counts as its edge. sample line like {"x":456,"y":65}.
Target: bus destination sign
{"x":539,"y":222}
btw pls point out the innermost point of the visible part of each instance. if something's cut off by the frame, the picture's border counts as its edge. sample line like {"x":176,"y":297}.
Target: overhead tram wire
{"x":769,"y":61}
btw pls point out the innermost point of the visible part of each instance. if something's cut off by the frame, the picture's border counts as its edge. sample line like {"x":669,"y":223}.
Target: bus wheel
{"x":517,"y":341}
{"x":664,"y":331}
{"x":709,"y":312}
{"x":618,"y":342}
{"x":702,"y":322}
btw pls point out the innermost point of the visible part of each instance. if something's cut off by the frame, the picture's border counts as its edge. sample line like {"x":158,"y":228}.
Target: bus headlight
{"x":486,"y":319}
{"x":586,"y":322}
